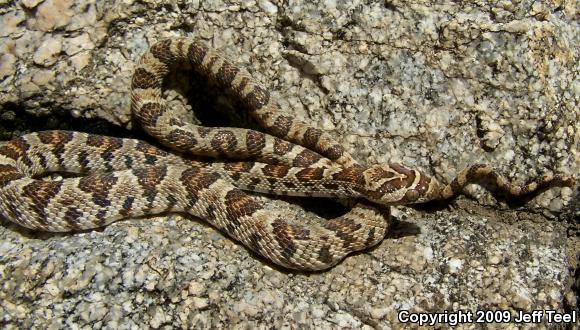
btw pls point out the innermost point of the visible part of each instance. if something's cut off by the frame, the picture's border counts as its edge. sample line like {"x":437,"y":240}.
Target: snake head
{"x":394,"y":184}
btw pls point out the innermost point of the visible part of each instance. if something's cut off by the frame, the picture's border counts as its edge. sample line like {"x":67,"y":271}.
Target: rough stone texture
{"x":437,"y":86}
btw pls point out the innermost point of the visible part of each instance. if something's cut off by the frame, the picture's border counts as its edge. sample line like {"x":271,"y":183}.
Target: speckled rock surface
{"x":438,"y":87}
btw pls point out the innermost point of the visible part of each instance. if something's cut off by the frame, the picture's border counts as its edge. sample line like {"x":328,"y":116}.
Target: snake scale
{"x":122,"y":178}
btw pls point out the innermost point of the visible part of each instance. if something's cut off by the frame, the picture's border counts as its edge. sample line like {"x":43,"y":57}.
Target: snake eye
{"x":411,"y":195}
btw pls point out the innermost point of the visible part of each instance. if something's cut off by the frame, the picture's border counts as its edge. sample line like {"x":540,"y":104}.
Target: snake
{"x":212,"y":172}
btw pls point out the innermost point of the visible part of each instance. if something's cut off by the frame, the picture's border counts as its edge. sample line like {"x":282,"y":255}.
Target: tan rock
{"x":48,"y":52}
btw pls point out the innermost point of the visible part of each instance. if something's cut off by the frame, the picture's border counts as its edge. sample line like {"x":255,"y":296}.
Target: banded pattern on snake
{"x":122,"y":178}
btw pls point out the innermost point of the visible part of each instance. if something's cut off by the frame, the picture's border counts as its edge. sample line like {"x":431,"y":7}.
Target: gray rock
{"x":435,"y":86}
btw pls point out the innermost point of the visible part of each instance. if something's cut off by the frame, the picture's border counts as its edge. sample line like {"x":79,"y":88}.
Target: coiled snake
{"x":121,"y":178}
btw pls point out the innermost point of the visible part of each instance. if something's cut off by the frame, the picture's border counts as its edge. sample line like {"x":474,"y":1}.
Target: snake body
{"x":122,"y":178}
